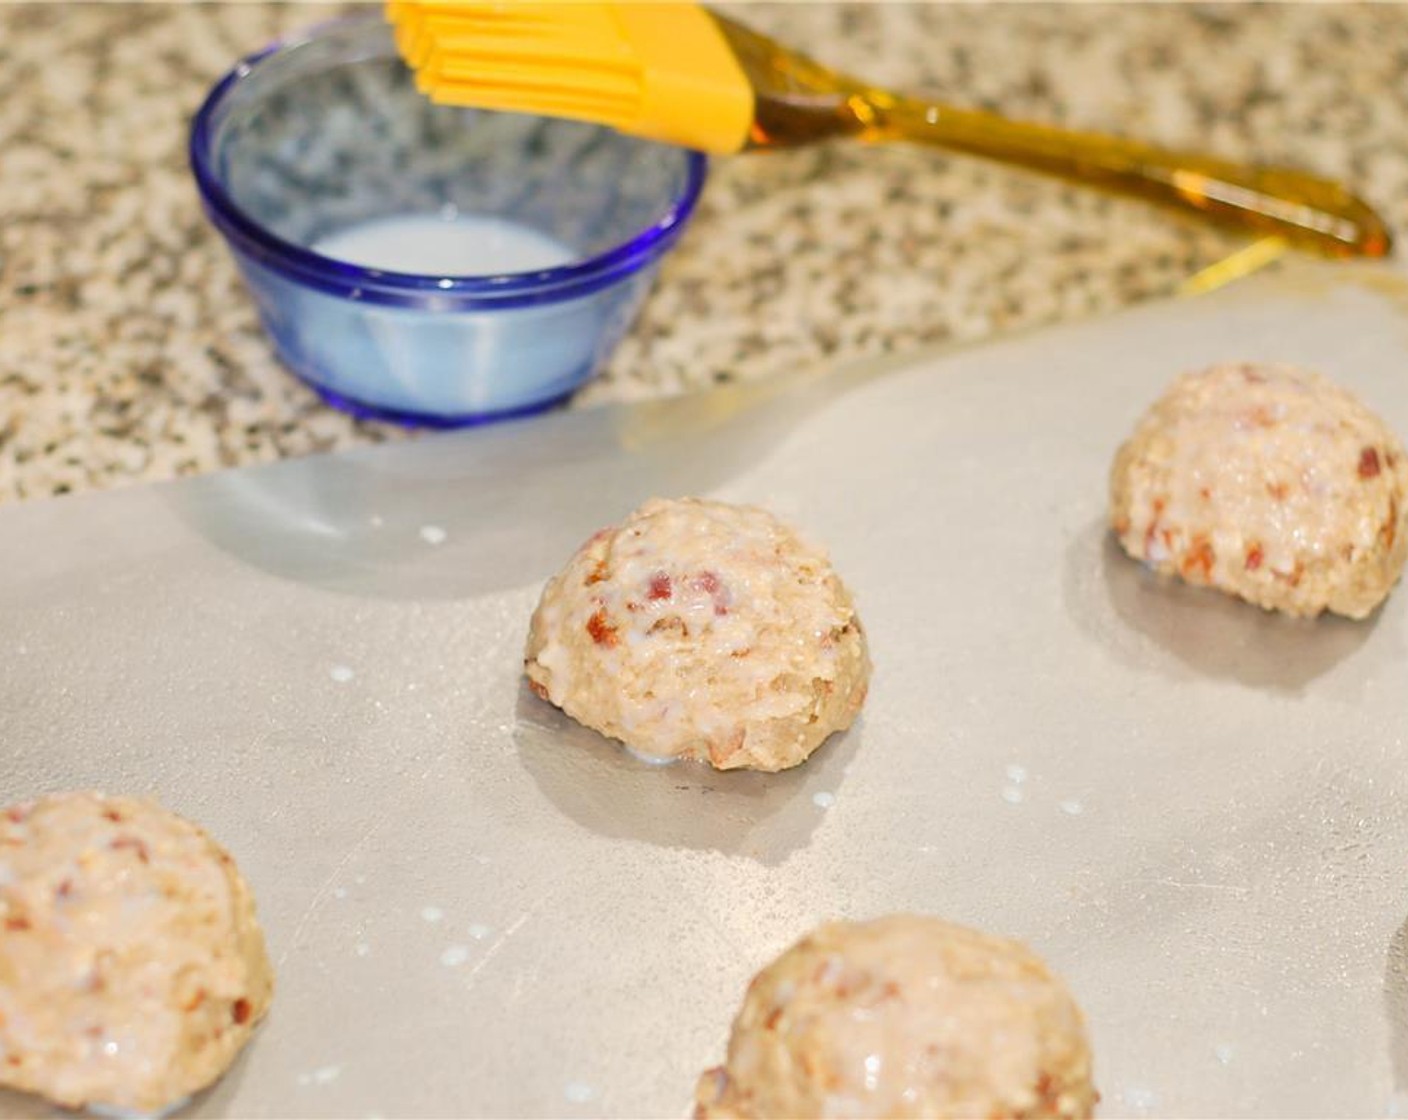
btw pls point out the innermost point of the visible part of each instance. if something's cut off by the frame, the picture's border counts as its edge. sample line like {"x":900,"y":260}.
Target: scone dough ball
{"x":701,"y":630}
{"x":132,"y":969}
{"x":1266,"y":482}
{"x":903,"y":1016}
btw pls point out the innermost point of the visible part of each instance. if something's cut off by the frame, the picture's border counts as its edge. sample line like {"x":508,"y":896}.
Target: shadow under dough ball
{"x":1269,"y":483}
{"x":702,"y":630}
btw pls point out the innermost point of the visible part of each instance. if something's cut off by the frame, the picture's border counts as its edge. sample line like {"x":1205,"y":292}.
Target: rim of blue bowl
{"x":377,"y":285}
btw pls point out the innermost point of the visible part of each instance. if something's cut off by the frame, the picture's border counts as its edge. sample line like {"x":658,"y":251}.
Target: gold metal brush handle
{"x":1307,"y":211}
{"x":798,"y":101}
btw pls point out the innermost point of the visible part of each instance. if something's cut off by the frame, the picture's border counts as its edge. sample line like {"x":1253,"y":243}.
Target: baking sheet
{"x":1191,"y":809}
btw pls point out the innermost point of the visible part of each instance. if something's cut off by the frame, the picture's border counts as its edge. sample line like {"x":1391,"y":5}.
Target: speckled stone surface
{"x":129,"y":351}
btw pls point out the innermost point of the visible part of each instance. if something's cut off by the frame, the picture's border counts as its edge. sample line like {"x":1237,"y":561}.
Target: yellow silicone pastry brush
{"x":679,"y":73}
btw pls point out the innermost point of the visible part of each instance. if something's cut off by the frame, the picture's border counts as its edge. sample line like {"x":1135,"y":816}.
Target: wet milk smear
{"x":429,"y":245}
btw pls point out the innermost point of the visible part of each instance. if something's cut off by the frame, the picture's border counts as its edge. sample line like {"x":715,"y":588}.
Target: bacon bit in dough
{"x":1199,"y":558}
{"x":1369,"y":463}
{"x":721,"y":752}
{"x":673,"y":624}
{"x":597,"y":574}
{"x":1151,"y":534}
{"x":711,"y":585}
{"x":1254,"y":557}
{"x":602,"y":632}
{"x":135,"y":843}
{"x":660,"y":587}
{"x":240,"y":1011}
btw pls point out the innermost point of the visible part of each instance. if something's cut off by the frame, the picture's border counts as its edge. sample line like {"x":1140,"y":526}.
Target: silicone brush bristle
{"x":657,"y":70}
{"x":586,"y":31}
{"x":567,"y":67}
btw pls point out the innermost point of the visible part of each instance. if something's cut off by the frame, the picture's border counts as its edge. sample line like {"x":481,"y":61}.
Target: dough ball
{"x":1267,"y":482}
{"x":904,"y":1016}
{"x":132,"y":969}
{"x":701,"y":630}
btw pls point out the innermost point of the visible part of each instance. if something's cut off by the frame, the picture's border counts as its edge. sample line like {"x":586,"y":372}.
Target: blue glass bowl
{"x":325,"y":133}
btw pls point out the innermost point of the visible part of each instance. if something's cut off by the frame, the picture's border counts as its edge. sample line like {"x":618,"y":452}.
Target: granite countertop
{"x":130,"y":352}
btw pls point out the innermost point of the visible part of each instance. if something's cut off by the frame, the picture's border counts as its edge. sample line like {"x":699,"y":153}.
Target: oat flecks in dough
{"x":903,"y":1016}
{"x":702,"y":630}
{"x":132,"y":968}
{"x":1266,"y":482}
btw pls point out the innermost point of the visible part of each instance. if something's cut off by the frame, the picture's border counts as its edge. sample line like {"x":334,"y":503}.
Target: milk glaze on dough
{"x":132,"y":969}
{"x":903,"y":1016}
{"x":701,"y":630}
{"x":1267,"y":482}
